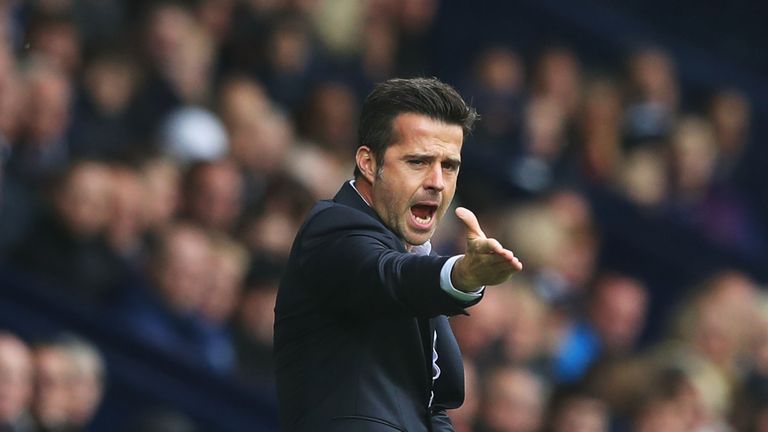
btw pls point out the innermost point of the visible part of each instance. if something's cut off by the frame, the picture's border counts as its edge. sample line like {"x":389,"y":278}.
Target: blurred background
{"x":157,"y":158}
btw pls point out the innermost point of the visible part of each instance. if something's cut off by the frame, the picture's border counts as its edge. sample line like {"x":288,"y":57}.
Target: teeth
{"x":424,"y":220}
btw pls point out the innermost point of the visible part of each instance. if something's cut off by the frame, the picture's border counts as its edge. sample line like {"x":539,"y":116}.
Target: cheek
{"x":390,"y":197}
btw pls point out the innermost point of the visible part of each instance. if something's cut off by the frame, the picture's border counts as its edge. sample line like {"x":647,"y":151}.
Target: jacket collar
{"x":350,"y":197}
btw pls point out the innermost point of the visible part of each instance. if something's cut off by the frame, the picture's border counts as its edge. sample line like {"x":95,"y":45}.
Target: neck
{"x":365,"y":189}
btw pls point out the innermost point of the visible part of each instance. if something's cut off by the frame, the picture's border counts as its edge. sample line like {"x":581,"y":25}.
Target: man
{"x":361,"y":338}
{"x":16,"y":381}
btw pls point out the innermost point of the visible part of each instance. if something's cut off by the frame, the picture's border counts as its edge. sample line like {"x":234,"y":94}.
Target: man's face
{"x":415,"y":184}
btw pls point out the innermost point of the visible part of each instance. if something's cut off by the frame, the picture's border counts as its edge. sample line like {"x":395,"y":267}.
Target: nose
{"x":435,"y":179}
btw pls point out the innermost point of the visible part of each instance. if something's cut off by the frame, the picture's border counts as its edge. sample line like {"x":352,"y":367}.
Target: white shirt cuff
{"x":447,"y":285}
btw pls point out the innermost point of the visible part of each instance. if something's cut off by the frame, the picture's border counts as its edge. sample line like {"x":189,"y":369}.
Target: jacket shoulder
{"x":328,"y":217}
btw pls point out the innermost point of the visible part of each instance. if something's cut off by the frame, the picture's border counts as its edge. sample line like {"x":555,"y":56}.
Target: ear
{"x":366,"y":163}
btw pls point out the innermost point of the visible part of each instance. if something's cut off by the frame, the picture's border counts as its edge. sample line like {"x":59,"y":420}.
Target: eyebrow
{"x":454,"y":162}
{"x":429,"y":157}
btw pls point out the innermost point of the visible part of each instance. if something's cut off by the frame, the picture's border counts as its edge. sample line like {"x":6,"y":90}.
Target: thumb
{"x":470,"y":220}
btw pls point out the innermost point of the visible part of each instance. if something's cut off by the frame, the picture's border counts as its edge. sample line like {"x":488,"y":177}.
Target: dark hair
{"x":427,"y":96}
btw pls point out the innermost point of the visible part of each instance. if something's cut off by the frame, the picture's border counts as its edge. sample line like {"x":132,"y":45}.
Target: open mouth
{"x":423,"y":214}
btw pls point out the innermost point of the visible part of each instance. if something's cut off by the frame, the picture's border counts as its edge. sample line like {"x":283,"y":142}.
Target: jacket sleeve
{"x":354,"y":266}
{"x":441,"y":422}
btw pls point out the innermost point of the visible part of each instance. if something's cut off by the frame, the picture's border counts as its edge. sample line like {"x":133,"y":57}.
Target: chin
{"x":417,"y":240}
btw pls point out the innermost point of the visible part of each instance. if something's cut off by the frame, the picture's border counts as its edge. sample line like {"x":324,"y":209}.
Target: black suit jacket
{"x":355,"y":323}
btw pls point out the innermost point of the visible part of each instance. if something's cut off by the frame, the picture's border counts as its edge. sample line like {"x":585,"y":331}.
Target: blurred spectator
{"x":167,"y":29}
{"x":81,"y":198}
{"x":270,"y":230}
{"x":557,"y":77}
{"x":526,"y":338}
{"x":750,"y":409}
{"x":125,"y":227}
{"x":617,"y":310}
{"x":758,"y":337}
{"x":717,"y":322}
{"x":42,"y":145}
{"x":497,"y":90}
{"x":16,"y":382}
{"x":215,"y":16}
{"x":11,"y":98}
{"x":600,"y":129}
{"x":260,"y":136}
{"x":290,"y":60}
{"x":241,"y":97}
{"x":327,"y":174}
{"x":327,"y":119}
{"x":558,"y":239}
{"x":694,"y":156}
{"x":18,"y":199}
{"x":87,"y":383}
{"x":254,"y":321}
{"x":715,"y":209}
{"x":166,"y":312}
{"x":479,"y":334}
{"x":161,"y":183}
{"x":545,"y":160}
{"x":653,"y":96}
{"x":379,"y":50}
{"x":10,"y":31}
{"x":339,"y":26}
{"x":190,"y":68}
{"x":513,"y":401}
{"x":465,"y":417}
{"x":101,"y":123}
{"x":614,"y":318}
{"x":730,"y":114}
{"x":166,"y":25}
{"x":618,"y":382}
{"x":683,"y":397}
{"x":414,"y":18}
{"x":578,"y":259}
{"x":52,"y":33}
{"x":574,"y":409}
{"x":659,"y":413}
{"x":68,"y":248}
{"x":229,"y":263}
{"x":213,"y":193}
{"x":53,"y":395}
{"x":643,"y":177}
{"x":327,"y":125}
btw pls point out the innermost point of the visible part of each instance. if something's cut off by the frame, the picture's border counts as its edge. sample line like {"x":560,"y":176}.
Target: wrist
{"x":460,"y":277}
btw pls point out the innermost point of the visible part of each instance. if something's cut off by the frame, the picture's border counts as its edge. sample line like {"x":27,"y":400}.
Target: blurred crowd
{"x":159,"y":156}
{"x":55,"y":385}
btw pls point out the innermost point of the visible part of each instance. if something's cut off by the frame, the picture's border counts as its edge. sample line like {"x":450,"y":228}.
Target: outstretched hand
{"x":485,"y":262}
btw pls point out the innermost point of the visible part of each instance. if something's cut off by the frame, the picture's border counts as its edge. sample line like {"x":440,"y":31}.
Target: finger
{"x":470,"y":221}
{"x":516,"y":264}
{"x":511,"y":259}
{"x":506,"y":267}
{"x":484,"y":246}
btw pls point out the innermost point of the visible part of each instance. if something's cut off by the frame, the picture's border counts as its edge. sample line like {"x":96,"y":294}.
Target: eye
{"x":416,"y":162}
{"x":451,"y":167}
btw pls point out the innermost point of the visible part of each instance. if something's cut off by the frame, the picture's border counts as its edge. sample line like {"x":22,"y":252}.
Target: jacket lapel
{"x":349,"y":197}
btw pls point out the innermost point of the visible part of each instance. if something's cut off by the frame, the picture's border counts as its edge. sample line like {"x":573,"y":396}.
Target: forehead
{"x":423,"y":134}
